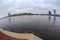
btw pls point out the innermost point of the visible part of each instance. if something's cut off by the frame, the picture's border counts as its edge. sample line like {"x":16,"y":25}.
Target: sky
{"x":34,"y":6}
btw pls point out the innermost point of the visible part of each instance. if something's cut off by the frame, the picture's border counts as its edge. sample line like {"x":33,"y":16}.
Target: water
{"x":45,"y":27}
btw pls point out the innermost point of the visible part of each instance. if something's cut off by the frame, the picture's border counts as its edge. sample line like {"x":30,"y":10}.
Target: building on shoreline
{"x":54,"y":11}
{"x":9,"y":14}
{"x":49,"y":13}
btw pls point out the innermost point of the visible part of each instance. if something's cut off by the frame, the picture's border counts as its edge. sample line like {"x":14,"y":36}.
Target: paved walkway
{"x":6,"y":35}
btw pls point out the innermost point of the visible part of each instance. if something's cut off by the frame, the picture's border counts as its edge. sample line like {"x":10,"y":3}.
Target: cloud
{"x":28,"y":5}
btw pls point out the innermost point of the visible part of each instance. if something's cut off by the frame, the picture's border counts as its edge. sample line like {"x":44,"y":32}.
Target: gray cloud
{"x":15,"y":6}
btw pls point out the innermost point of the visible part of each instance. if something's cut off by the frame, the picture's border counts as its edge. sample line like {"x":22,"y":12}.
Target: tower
{"x":54,"y":11}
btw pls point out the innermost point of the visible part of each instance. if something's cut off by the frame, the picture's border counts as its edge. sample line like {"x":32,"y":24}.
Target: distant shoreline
{"x":23,"y":14}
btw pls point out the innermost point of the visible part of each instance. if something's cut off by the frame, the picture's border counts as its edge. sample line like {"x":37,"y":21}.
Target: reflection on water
{"x":9,"y":19}
{"x":46,"y":27}
{"x":49,"y":18}
{"x":54,"y":18}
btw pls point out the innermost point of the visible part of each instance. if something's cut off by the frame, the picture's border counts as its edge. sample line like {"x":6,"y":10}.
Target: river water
{"x":45,"y":27}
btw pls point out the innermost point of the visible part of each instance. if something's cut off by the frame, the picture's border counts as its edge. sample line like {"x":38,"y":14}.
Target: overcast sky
{"x":35,"y":6}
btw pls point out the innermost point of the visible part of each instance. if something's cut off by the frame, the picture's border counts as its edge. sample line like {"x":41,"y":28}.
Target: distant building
{"x":49,"y":13}
{"x":54,"y":11}
{"x":9,"y":14}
